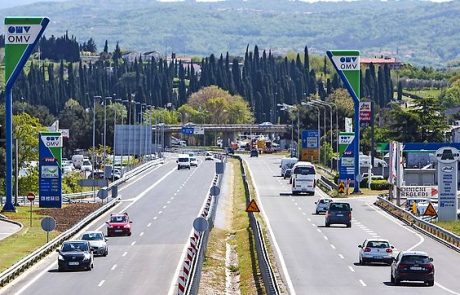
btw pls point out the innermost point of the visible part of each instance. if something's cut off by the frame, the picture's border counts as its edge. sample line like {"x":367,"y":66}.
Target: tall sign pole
{"x":22,"y":34}
{"x":347,"y":65}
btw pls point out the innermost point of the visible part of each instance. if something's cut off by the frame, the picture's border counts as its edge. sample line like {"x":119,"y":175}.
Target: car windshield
{"x":192,"y":159}
{"x":70,"y":247}
{"x":86,"y":163}
{"x":412,"y":259}
{"x":378,"y":244}
{"x":339,"y":207}
{"x":304,"y":170}
{"x":92,"y":236}
{"x":118,"y":218}
{"x":324,"y":201}
{"x":182,"y":160}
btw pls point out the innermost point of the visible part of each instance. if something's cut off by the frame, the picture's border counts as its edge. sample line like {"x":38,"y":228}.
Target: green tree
{"x":26,"y":129}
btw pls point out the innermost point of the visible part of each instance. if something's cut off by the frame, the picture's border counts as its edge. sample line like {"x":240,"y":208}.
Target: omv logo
{"x":347,"y":63}
{"x":52,"y":140}
{"x":22,"y":34}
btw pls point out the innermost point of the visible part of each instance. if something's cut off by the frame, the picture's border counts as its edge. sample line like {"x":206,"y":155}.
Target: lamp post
{"x":330,"y":105}
{"x":97,"y":97}
{"x":295,"y":108}
{"x":114,"y":138}
{"x":105,"y":129}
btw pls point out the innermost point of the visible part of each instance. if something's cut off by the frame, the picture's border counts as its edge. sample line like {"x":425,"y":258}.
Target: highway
{"x":320,"y":260}
{"x":162,"y":203}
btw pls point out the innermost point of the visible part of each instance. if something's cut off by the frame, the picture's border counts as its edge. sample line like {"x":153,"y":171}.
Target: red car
{"x":119,"y":224}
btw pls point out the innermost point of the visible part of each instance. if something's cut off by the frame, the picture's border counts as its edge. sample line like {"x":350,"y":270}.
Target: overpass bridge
{"x":228,"y":130}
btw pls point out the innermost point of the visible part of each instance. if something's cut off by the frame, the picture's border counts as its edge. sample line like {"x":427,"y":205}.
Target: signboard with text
{"x":447,"y":183}
{"x":49,"y":173}
{"x":365,"y":112}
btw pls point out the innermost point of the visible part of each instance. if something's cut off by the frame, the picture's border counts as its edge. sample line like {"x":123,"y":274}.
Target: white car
{"x":321,"y":205}
{"x":193,"y":162}
{"x":376,"y":250}
{"x":208,"y":157}
{"x":86,"y":166}
{"x":97,"y":242}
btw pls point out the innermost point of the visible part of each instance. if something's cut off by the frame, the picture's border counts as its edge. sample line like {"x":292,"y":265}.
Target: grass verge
{"x":24,"y":242}
{"x":213,"y":272}
{"x":452,"y":226}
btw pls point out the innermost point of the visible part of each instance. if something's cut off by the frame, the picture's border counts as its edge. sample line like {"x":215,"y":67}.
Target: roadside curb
{"x":4,"y":219}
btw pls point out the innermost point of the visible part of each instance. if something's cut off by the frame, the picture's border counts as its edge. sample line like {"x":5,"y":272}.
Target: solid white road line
{"x":287,"y":277}
{"x":101,"y":283}
{"x":351,"y":268}
{"x":362,"y":283}
{"x":113,"y":267}
{"x":124,"y":254}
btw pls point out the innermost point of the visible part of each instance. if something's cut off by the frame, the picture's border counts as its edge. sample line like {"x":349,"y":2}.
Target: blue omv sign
{"x":50,"y":173}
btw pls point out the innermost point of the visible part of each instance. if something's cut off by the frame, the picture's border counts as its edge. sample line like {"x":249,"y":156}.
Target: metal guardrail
{"x":190,"y":273}
{"x":446,"y":237}
{"x":20,"y":266}
{"x":266,"y":269}
{"x":325,"y":184}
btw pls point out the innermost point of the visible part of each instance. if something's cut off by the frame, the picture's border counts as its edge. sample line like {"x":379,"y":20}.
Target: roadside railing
{"x":444,"y":236}
{"x":266,"y":269}
{"x":189,"y":278}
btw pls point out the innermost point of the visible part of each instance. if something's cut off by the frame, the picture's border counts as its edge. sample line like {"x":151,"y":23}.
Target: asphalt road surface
{"x":162,"y":203}
{"x":320,"y":260}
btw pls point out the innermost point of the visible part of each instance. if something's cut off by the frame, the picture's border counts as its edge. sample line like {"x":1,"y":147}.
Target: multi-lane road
{"x":320,"y":260}
{"x":162,"y":202}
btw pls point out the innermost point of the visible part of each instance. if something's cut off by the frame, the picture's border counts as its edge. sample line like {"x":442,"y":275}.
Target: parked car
{"x":97,"y":242}
{"x":119,"y":224}
{"x":412,"y":266}
{"x":375,"y":250}
{"x":254,"y":153}
{"x":338,"y":213}
{"x":322,"y":204}
{"x":75,"y":255}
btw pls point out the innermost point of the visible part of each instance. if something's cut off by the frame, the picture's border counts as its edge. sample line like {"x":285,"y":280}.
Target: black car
{"x":75,"y":255}
{"x":412,"y":266}
{"x":338,"y":213}
{"x":254,"y":153}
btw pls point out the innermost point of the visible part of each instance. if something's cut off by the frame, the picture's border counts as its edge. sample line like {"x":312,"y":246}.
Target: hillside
{"x":419,"y":32}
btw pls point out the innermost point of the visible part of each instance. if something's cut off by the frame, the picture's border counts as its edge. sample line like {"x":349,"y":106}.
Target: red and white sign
{"x":419,"y":192}
{"x":30,"y":197}
{"x":365,"y":111}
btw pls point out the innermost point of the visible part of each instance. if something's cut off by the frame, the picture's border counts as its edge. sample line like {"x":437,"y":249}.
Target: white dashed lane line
{"x":164,"y":206}
{"x":362,"y":283}
{"x":351,"y":269}
{"x":133,"y":243}
{"x":124,"y":254}
{"x":155,"y":218}
{"x":332,"y":246}
{"x":148,"y":225}
{"x":113,"y":267}
{"x":326,"y":238}
{"x":141,"y":234}
{"x":159,"y":212}
{"x":341,"y":256}
{"x":101,"y":283}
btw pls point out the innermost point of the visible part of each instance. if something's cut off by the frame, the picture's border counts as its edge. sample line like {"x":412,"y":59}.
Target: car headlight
{"x":60,"y":257}
{"x":87,"y":257}
{"x":126,"y":226}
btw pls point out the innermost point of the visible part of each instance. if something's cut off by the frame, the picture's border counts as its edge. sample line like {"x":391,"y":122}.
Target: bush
{"x":380,"y":185}
{"x":70,"y":183}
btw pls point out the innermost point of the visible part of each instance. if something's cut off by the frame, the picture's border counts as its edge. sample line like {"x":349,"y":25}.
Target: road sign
{"x":93,"y":182}
{"x":187,"y":130}
{"x":102,"y":194}
{"x":215,"y":190}
{"x":310,"y":139}
{"x":198,"y":130}
{"x":311,"y":155}
{"x":30,"y":196}
{"x":447,"y":183}
{"x":65,"y":133}
{"x":252,"y":207}
{"x":48,"y":224}
{"x":219,"y":168}
{"x":341,"y":188}
{"x":200,"y":224}
{"x":430,"y":211}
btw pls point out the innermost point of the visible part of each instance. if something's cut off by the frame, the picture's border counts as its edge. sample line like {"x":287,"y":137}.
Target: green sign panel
{"x":22,"y":33}
{"x":347,"y":63}
{"x":345,"y":140}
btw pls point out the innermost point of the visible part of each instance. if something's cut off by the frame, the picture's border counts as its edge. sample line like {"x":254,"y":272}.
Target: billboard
{"x":49,"y":169}
{"x":447,"y":182}
{"x":133,"y":139}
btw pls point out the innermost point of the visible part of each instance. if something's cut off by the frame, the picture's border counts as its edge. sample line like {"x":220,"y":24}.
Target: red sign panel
{"x":365,"y":111}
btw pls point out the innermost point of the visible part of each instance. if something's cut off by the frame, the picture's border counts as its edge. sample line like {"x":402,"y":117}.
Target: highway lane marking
{"x":148,"y":225}
{"x":141,"y":234}
{"x":332,"y":246}
{"x":304,"y":213}
{"x":29,"y":283}
{"x":326,"y":238}
{"x":299,"y":208}
{"x":313,"y":224}
{"x":168,"y":202}
{"x":308,"y":219}
{"x":159,"y":212}
{"x":351,"y":268}
{"x":290,"y":285}
{"x":154,"y":218}
{"x":147,"y":172}
{"x":446,"y":289}
{"x":113,"y":267}
{"x":318,"y":230}
{"x":362,"y":283}
{"x":172,"y":198}
{"x":124,"y":254}
{"x":101,"y":283}
{"x":133,"y":243}
{"x":341,"y":256}
{"x":164,"y":206}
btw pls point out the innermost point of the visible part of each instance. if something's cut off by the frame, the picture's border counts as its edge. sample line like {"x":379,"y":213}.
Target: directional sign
{"x":417,"y":191}
{"x":102,"y":194}
{"x":93,"y":182}
{"x":187,"y":130}
{"x":430,"y":211}
{"x":252,"y":207}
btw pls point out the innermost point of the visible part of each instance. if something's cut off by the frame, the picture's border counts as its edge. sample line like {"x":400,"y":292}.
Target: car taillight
{"x":349,"y":215}
{"x":314,"y":183}
{"x":402,"y":266}
{"x":367,"y":249}
{"x":429,"y":266}
{"x":389,"y":250}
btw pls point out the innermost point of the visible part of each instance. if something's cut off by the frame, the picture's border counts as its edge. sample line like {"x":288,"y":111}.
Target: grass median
{"x":452,"y":226}
{"x":24,"y":242}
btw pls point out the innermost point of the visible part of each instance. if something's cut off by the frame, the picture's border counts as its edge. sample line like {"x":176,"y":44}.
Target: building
{"x":381,"y":61}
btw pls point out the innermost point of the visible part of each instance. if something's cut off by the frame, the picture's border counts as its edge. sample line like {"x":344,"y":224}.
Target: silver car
{"x":97,"y":242}
{"x":321,"y":205}
{"x":376,"y":250}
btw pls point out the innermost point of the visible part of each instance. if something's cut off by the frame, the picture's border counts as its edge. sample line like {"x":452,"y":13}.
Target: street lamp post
{"x":105,"y":129}
{"x":285,"y":107}
{"x":330,"y":105}
{"x":94,"y":141}
{"x":114,"y":139}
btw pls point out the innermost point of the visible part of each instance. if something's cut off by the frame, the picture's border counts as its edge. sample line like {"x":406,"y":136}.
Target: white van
{"x":303,"y":178}
{"x":287,"y":163}
{"x":77,"y":161}
{"x":183,"y":161}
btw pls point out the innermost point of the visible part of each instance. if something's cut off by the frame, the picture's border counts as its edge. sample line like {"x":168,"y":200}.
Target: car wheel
{"x":106,"y":252}
{"x":328,"y":224}
{"x":317,"y":212}
{"x":397,"y":282}
{"x":129,"y":234}
{"x":348,"y":224}
{"x":430,"y":283}
{"x":392,"y":279}
{"x":60,"y":268}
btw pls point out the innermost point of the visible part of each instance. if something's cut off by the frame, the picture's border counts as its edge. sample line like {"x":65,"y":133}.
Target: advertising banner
{"x":365,"y":112}
{"x":49,"y":173}
{"x":447,"y":183}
